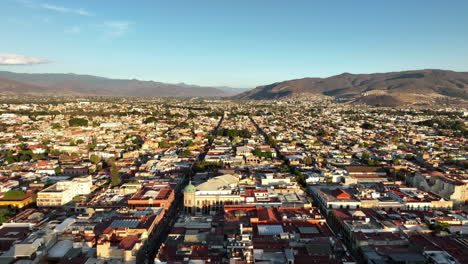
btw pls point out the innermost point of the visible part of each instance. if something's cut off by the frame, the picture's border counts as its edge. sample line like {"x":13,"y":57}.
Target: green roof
{"x":13,"y":194}
{"x":189,"y":188}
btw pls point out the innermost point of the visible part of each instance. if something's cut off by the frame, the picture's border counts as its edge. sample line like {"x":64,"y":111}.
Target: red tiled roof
{"x":128,"y":242}
{"x":340,"y":194}
{"x":267,"y":215}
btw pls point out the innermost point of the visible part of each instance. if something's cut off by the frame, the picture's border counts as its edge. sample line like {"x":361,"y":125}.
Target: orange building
{"x":152,"y":197}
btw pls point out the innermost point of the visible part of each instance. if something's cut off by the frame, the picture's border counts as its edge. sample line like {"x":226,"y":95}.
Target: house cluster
{"x":247,"y":207}
{"x":95,"y":182}
{"x":384,"y":179}
{"x":301,"y":180}
{"x":52,"y":236}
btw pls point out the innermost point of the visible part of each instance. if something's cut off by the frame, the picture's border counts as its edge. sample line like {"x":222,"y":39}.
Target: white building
{"x":334,"y":197}
{"x":271,"y":179}
{"x":111,"y":125}
{"x":64,"y":191}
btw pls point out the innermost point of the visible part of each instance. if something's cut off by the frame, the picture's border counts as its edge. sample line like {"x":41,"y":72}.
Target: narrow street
{"x":148,"y":251}
{"x":265,"y":136}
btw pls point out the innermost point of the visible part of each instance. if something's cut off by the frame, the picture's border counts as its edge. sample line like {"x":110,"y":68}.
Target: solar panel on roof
{"x":126,"y":223}
{"x":268,"y":230}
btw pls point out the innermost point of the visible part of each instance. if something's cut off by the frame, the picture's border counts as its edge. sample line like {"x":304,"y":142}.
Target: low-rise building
{"x":64,"y":191}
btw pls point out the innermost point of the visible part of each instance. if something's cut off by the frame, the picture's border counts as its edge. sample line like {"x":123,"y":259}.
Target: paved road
{"x":149,"y":251}
{"x":265,"y":136}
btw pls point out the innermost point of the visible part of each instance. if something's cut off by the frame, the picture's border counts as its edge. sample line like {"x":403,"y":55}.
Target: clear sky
{"x":238,"y":43}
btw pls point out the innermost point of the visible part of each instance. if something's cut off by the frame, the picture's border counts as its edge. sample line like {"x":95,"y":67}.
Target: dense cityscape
{"x":233,"y":132}
{"x":198,"y":180}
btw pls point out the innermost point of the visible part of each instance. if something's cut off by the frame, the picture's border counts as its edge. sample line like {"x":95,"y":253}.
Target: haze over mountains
{"x":393,"y":88}
{"x":88,"y":85}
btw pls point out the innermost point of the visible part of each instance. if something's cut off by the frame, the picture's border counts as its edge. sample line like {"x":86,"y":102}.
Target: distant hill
{"x":232,"y":90}
{"x":11,"y":87}
{"x":393,"y":88}
{"x":88,"y":85}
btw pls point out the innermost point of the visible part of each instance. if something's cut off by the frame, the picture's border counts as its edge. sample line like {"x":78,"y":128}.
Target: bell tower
{"x":189,"y":197}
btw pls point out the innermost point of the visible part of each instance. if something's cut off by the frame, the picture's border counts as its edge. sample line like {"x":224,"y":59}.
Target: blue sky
{"x":238,"y":43}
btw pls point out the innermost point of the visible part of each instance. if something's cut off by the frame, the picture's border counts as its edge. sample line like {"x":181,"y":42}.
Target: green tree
{"x":150,"y":119}
{"x":257,"y":152}
{"x":186,"y":153}
{"x":56,"y":126}
{"x":58,"y":170}
{"x":367,"y":125}
{"x":11,"y":159}
{"x":300,"y":179}
{"x":163,"y":144}
{"x":38,"y":156}
{"x":188,"y":143}
{"x":91,"y":146}
{"x":285,"y":168}
{"x":322,"y":133}
{"x":210,"y":139}
{"x":55,"y":152}
{"x":25,"y":157}
{"x":442,"y":226}
{"x":95,"y":159}
{"x":271,"y":141}
{"x":184,"y":125}
{"x":115,"y":177}
{"x":74,"y":122}
{"x":308,"y":161}
{"x":200,"y":166}
{"x":262,"y":154}
{"x":4,"y":215}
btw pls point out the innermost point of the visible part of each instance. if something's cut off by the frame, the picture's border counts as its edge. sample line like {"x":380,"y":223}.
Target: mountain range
{"x":12,"y":83}
{"x":393,"y":88}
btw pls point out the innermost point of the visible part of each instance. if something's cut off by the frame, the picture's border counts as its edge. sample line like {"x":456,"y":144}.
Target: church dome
{"x":189,"y":188}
